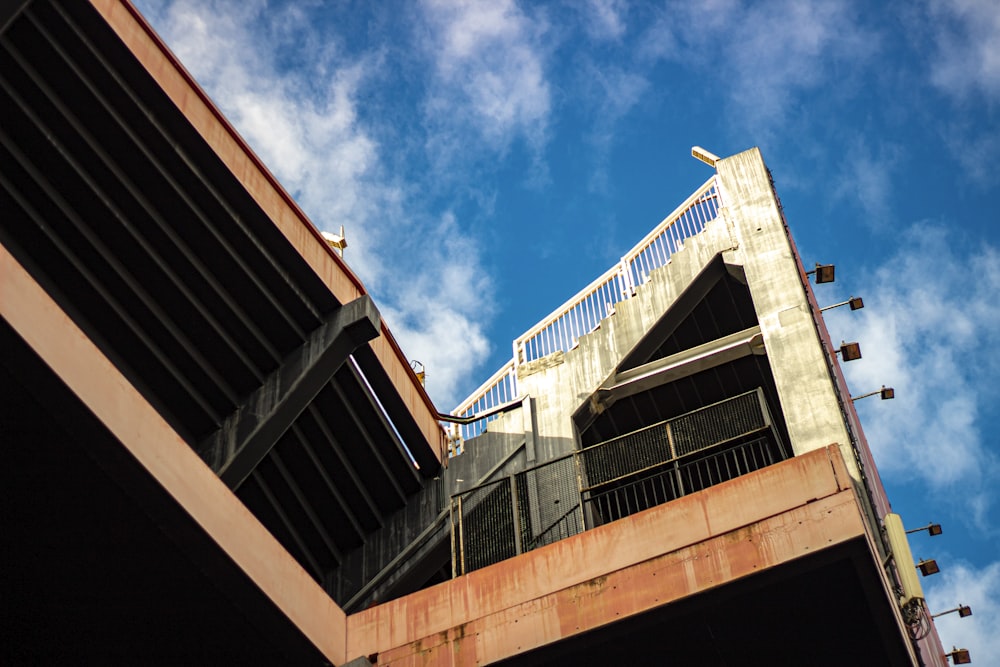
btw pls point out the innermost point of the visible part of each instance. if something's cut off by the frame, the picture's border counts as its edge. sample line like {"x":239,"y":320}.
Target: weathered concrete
{"x":650,"y":559}
{"x":141,"y":430}
{"x":248,"y":434}
{"x":272,"y":198}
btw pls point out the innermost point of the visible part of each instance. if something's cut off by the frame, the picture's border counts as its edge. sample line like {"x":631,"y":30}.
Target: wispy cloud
{"x":306,"y":123}
{"x":489,"y":88}
{"x":766,"y":54}
{"x":610,"y":93}
{"x":979,"y":588}
{"x":966,"y":61}
{"x":605,"y":19}
{"x":931,"y":329}
{"x":866,"y":178}
{"x":964,"y":64}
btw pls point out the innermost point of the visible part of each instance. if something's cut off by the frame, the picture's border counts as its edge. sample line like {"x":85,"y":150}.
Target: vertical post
{"x":461,"y":538}
{"x":518,"y":547}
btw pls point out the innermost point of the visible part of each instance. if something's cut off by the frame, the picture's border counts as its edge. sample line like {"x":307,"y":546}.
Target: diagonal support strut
{"x":249,"y":433}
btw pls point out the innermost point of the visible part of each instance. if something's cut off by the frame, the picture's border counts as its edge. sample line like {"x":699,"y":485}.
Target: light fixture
{"x":854,"y":302}
{"x":824,"y":273}
{"x":928,"y":567}
{"x":885,"y":393}
{"x":931,"y":528}
{"x":959,"y":656}
{"x":963,"y":611}
{"x":707,"y":157}
{"x":418,"y":370}
{"x":849,"y":351}
{"x":336,"y":241}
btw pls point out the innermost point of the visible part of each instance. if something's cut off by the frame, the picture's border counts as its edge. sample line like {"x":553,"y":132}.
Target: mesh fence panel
{"x":625,"y":455}
{"x":549,"y":503}
{"x":717,"y":423}
{"x":487,"y":528}
{"x":618,"y":477}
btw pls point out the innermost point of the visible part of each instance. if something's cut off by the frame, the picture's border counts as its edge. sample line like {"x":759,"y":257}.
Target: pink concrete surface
{"x":626,"y":567}
{"x":234,"y":152}
{"x":169,"y":460}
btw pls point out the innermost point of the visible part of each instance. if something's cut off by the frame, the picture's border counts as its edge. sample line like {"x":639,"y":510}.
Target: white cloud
{"x":865,"y":177}
{"x":966,"y":60}
{"x":489,"y":78}
{"x":764,"y":54}
{"x":306,"y":124}
{"x":978,"y":588}
{"x":604,"y":19}
{"x":611,"y":93}
{"x":931,"y":329}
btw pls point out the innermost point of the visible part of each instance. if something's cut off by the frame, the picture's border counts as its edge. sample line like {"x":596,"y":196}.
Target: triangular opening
{"x":716,"y":303}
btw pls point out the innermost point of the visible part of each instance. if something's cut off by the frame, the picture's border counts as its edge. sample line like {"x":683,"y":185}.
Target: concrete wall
{"x":748,"y":232}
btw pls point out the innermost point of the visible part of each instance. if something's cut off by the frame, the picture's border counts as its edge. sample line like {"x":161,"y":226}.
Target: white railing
{"x":499,"y":389}
{"x":562,"y":329}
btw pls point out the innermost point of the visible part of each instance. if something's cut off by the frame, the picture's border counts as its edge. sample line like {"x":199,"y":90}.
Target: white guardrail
{"x":561,"y":330}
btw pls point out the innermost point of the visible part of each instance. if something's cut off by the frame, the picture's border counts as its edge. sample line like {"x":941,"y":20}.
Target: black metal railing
{"x":677,"y":478}
{"x":612,"y":480}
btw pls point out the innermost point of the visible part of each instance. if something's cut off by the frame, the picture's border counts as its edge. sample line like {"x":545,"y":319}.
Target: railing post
{"x":518,"y":547}
{"x":628,"y":285}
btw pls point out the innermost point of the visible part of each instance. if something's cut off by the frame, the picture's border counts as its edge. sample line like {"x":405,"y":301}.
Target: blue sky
{"x":490,"y":160}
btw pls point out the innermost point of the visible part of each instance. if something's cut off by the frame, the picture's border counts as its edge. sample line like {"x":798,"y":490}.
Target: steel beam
{"x":248,"y":434}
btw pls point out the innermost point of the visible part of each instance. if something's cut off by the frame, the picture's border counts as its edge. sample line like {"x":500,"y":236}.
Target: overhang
{"x":762,"y":544}
{"x":130,"y":201}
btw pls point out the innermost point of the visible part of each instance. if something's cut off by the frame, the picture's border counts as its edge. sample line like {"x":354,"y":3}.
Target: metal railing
{"x":499,"y":389}
{"x":677,"y":478}
{"x":581,"y":314}
{"x":507,"y":517}
{"x":563,"y":327}
{"x":613,"y":479}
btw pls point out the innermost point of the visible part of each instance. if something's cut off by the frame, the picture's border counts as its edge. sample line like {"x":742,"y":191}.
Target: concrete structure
{"x":216,"y":452}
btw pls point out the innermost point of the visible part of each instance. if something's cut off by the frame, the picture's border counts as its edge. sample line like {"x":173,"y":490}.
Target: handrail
{"x":581,"y":314}
{"x":561,"y":329}
{"x":499,"y":390}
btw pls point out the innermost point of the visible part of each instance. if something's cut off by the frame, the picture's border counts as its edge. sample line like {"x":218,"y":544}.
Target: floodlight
{"x":885,"y":393}
{"x":708,"y":158}
{"x":963,"y":611}
{"x":336,"y":241}
{"x":419,"y":371}
{"x":849,"y":351}
{"x":855,"y":302}
{"x":824,"y":273}
{"x":959,"y":656}
{"x":931,"y":528}
{"x":928,"y":567}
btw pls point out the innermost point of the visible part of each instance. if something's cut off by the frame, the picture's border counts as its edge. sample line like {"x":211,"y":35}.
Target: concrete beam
{"x":9,"y":11}
{"x":168,"y":459}
{"x":143,"y":42}
{"x":650,"y":559}
{"x":676,"y":366}
{"x":248,"y":434}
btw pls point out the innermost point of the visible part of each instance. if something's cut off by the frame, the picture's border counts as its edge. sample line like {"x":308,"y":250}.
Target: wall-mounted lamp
{"x":854,"y":302}
{"x":707,"y":157}
{"x":931,"y":528}
{"x":928,"y":567}
{"x":885,"y":393}
{"x":849,"y":351}
{"x":959,"y":656}
{"x":824,"y":273}
{"x":336,"y":241}
{"x":963,"y":611}
{"x":418,"y":370}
